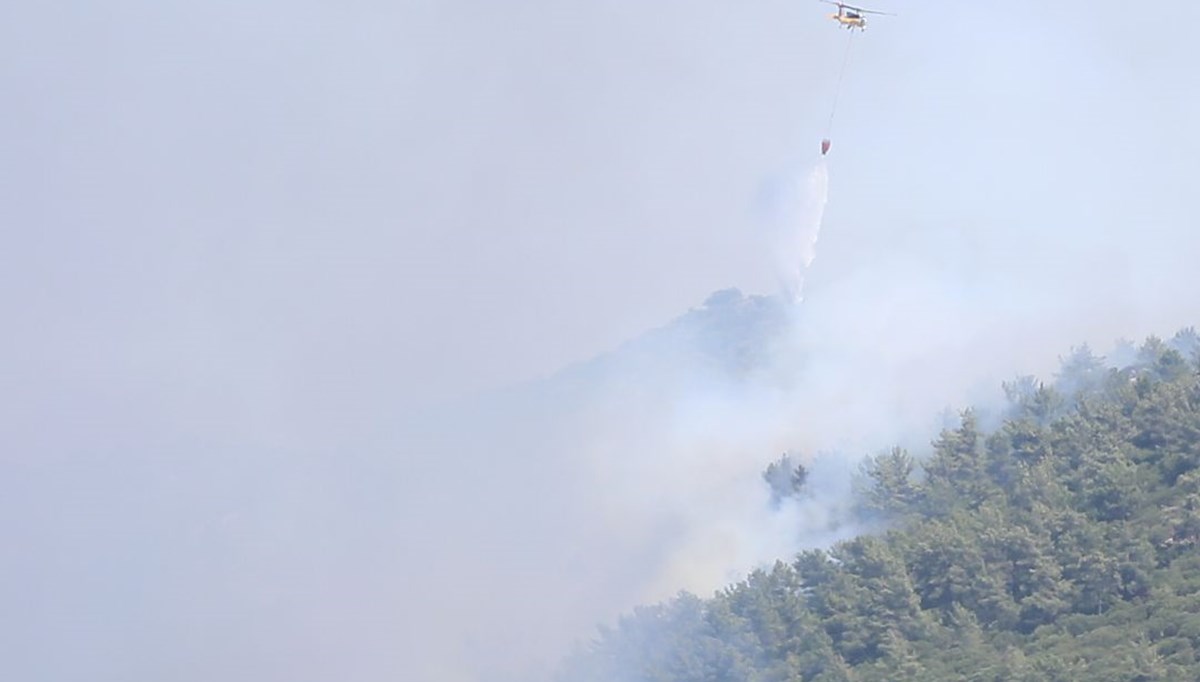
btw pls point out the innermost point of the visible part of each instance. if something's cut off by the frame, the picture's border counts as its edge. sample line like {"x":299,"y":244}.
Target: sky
{"x":241,"y":241}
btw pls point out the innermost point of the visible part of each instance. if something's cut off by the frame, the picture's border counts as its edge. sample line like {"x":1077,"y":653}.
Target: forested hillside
{"x":1058,"y":542}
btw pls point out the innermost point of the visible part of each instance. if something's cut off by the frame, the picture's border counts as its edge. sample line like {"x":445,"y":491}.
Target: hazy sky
{"x":237,"y":239}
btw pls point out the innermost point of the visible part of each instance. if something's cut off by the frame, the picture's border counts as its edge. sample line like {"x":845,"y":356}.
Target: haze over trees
{"x":1059,"y":540}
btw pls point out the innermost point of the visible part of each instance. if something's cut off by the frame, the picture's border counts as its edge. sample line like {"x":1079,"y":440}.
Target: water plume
{"x":795,"y":219}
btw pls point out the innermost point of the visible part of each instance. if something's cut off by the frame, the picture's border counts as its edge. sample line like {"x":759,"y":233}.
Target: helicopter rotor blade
{"x":858,"y":9}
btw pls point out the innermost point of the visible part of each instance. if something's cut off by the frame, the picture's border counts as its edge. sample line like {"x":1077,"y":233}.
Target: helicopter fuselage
{"x":850,"y":20}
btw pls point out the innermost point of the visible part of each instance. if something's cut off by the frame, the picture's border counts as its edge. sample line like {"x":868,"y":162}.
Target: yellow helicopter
{"x":852,"y":17}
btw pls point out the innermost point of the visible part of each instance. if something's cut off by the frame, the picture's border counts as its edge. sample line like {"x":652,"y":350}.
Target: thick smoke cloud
{"x":259,"y":256}
{"x":624,"y":480}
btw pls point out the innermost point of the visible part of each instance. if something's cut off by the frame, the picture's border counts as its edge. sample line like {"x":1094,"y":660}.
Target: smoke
{"x":619,"y":482}
{"x":794,"y":219}
{"x":251,"y":238}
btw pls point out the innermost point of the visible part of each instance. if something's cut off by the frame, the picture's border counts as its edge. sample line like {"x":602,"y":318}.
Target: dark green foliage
{"x":1082,"y":373}
{"x":786,"y":478}
{"x":1062,"y":544}
{"x":887,"y":484}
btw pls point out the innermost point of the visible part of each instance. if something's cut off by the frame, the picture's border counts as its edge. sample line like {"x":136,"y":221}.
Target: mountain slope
{"x":1059,"y":543}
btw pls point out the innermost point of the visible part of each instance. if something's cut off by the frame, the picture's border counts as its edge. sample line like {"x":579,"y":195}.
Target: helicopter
{"x":852,"y":17}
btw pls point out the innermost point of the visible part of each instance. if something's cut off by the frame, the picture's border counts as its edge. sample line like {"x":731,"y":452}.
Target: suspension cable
{"x":838,"y":90}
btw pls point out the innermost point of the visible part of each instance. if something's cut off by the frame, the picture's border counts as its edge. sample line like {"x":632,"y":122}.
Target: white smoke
{"x":795,"y":222}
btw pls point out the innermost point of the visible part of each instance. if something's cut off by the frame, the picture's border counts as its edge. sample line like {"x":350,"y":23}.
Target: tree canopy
{"x":1061,"y":544}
